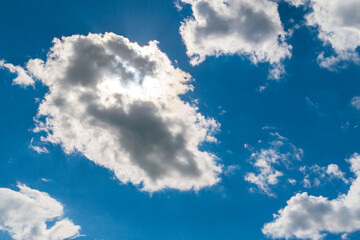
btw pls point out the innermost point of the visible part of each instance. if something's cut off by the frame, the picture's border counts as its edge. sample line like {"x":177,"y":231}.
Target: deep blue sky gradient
{"x":107,"y":209}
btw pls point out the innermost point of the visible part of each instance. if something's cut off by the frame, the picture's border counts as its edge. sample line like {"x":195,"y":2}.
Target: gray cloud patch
{"x":253,"y":26}
{"x":148,"y":140}
{"x":90,"y":61}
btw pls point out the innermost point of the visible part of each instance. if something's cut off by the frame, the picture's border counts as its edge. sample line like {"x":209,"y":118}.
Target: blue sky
{"x":308,"y":110}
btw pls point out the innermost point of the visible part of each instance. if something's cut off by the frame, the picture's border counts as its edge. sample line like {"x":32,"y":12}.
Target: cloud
{"x":250,"y":28}
{"x":355,"y":101}
{"x":37,"y":149}
{"x":119,"y":104}
{"x":25,"y":215}
{"x":22,"y":78}
{"x":297,"y":3}
{"x":265,"y":160}
{"x":231,"y":170}
{"x":316,"y":175}
{"x":338,"y":23}
{"x":292,"y":181}
{"x":311,"y":217}
{"x":334,"y":171}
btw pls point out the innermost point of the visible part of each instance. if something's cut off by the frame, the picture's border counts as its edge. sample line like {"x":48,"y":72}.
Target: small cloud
{"x":280,"y":152}
{"x":306,"y":182}
{"x":37,"y":149}
{"x":311,"y":102}
{"x":355,"y":102}
{"x":268,"y":128}
{"x":231,"y":170}
{"x":46,"y":180}
{"x":179,"y":5}
{"x":292,"y":181}
{"x":261,"y":88}
{"x":23,"y":78}
{"x":316,"y":175}
{"x":297,"y":3}
{"x":39,"y":208}
{"x":345,"y":236}
{"x":222,"y":111}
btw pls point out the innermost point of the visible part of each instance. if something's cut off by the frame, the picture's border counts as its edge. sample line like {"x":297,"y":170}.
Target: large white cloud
{"x":119,"y":104}
{"x":25,"y":214}
{"x":250,"y":28}
{"x":311,"y":217}
{"x":338,"y":23}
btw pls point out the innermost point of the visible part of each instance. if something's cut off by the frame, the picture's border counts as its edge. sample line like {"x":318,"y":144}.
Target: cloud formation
{"x":280,"y":152}
{"x":22,"y":78}
{"x":250,"y":28}
{"x":311,"y":217}
{"x":316,"y":175}
{"x":25,"y":215}
{"x":338,"y":23}
{"x":119,"y":104}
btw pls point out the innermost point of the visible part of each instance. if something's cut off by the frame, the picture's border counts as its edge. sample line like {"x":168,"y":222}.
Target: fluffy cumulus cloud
{"x":250,"y":28}
{"x":338,"y":23}
{"x":311,"y":217}
{"x":265,"y":161}
{"x":25,"y":215}
{"x":119,"y":104}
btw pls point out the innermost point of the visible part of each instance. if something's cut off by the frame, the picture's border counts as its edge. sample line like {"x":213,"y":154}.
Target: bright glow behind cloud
{"x":118,"y":103}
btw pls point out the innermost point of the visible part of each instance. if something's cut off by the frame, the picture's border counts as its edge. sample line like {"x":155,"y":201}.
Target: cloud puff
{"x":316,"y":175}
{"x":338,"y":23}
{"x":334,"y":171}
{"x":250,"y":28}
{"x":25,"y":214}
{"x":310,"y":217}
{"x":37,"y":149}
{"x":280,"y":152}
{"x":22,"y":78}
{"x":119,"y":104}
{"x":355,"y":101}
{"x":297,"y":3}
